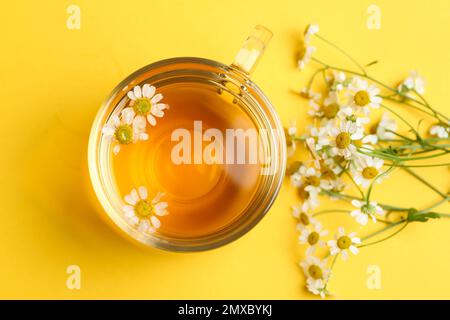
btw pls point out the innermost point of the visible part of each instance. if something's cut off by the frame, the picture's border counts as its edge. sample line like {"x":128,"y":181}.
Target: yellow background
{"x":54,"y":79}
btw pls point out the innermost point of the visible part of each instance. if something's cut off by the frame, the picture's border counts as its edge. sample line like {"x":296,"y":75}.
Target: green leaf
{"x":414,"y":215}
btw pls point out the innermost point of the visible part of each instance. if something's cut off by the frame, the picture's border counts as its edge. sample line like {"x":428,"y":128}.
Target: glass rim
{"x":187,"y":244}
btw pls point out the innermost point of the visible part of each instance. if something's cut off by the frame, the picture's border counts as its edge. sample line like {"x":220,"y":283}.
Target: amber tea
{"x":202,"y":196}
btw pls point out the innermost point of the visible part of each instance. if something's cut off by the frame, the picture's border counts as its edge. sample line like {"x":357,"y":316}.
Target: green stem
{"x":436,"y":113}
{"x":331,"y":269}
{"x":330,"y":211}
{"x":400,"y":135}
{"x":421,"y":166}
{"x":310,"y":83}
{"x":349,"y":198}
{"x":415,"y":175}
{"x":388,"y":156}
{"x":343,"y":52}
{"x":388,"y":237}
{"x":382,"y":230}
{"x":409,"y":105}
{"x":435,"y":205}
{"x":369,"y":191}
{"x":403,"y":119}
{"x":354,"y":183}
{"x":369,"y":78}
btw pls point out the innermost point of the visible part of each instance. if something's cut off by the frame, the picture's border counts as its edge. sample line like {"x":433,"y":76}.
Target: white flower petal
{"x":131,"y":95}
{"x":129,"y":199}
{"x":157,"y":98}
{"x":143,"y":136}
{"x":155,"y":222}
{"x":134,"y":195}
{"x":160,"y":208}
{"x":143,"y":193}
{"x":151,"y":119}
{"x":137,"y":92}
{"x":356,"y":203}
{"x":158,"y":197}
{"x":139,"y":123}
{"x":354,"y":250}
{"x":148,"y":91}
{"x":108,"y":131}
{"x":116,"y":149}
{"x":128,"y":115}
{"x":344,"y":255}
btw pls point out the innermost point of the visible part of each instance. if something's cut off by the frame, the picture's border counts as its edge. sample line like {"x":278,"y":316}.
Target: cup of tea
{"x":188,"y":154}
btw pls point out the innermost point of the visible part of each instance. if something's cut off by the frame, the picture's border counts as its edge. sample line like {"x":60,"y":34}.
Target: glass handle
{"x":252,"y":49}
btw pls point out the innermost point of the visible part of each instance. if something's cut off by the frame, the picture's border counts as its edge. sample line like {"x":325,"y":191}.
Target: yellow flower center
{"x":327,"y":173}
{"x":304,"y":218}
{"x":357,"y":143}
{"x":369,"y":172}
{"x":143,"y":209}
{"x":313,"y":238}
{"x":330,"y":111}
{"x":344,"y":242}
{"x":312,"y":181}
{"x":361,"y":98}
{"x":315,"y":272}
{"x":343,"y":140}
{"x":124,"y":134}
{"x":142,"y":106}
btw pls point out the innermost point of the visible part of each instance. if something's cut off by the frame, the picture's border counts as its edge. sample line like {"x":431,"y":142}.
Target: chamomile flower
{"x":317,"y":274}
{"x":337,"y":185}
{"x":413,"y":82}
{"x":329,"y":109}
{"x":385,"y":126}
{"x":341,"y":139}
{"x":363,"y":96}
{"x":337,"y":80}
{"x":306,"y":176}
{"x":331,"y":105}
{"x":315,"y":268}
{"x":367,"y":142}
{"x":317,"y":287}
{"x":320,"y":135}
{"x":329,"y":167}
{"x":365,"y":210}
{"x":310,"y":94}
{"x":440,"y":131}
{"x":311,"y":30}
{"x":310,"y":143}
{"x":313,"y":237}
{"x":142,"y":213}
{"x":125,"y":129}
{"x":316,"y":110}
{"x":344,"y":243}
{"x":291,"y":131}
{"x":304,"y":219}
{"x":305,"y":55}
{"x":146,"y":102}
{"x":309,"y":183}
{"x":367,"y":169}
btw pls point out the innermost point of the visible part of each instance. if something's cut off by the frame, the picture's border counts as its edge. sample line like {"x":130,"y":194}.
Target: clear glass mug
{"x":234,"y":80}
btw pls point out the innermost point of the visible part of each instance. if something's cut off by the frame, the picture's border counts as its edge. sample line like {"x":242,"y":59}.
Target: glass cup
{"x":232,"y":80}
